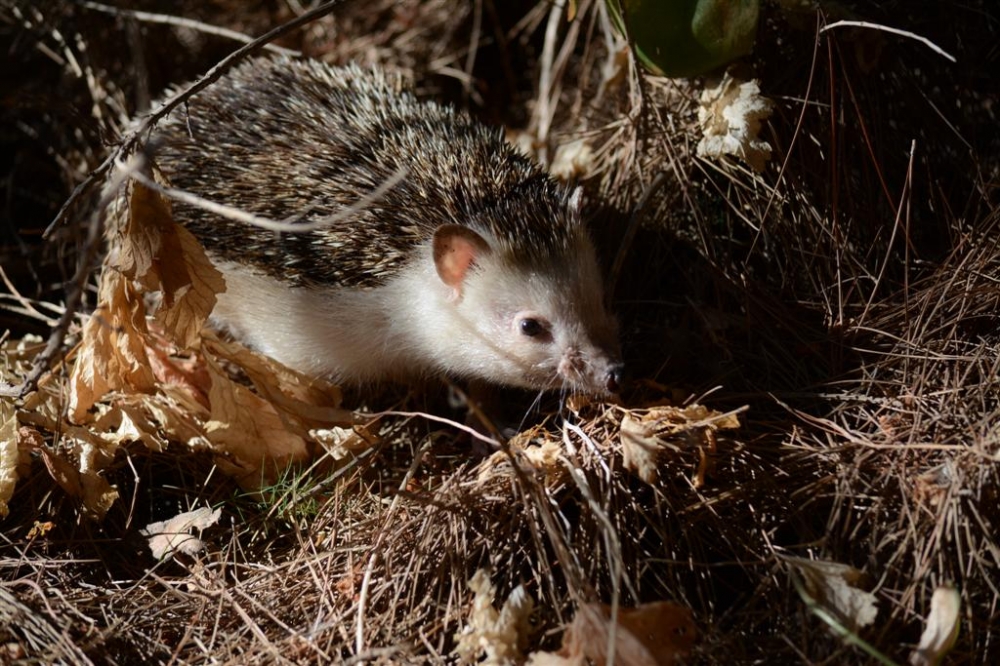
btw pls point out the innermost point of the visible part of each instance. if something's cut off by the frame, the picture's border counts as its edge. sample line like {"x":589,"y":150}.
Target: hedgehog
{"x":475,"y":264}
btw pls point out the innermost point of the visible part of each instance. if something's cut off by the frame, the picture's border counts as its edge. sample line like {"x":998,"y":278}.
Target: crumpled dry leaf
{"x":835,"y":586}
{"x":309,"y":401}
{"x":653,"y":634}
{"x":165,"y":257}
{"x":573,"y":160}
{"x":545,"y":456}
{"x":249,"y":431}
{"x":534,"y":446}
{"x":82,"y":480}
{"x":941,"y":632}
{"x":112,"y":353}
{"x":173,"y":414}
{"x":98,"y":495}
{"x":174,"y":535}
{"x":63,"y":472}
{"x":492,"y":637}
{"x":75,"y":462}
{"x":123,"y":424}
{"x":190,"y":283}
{"x":644,"y":434}
{"x":9,"y":454}
{"x":152,"y":380}
{"x":730,"y":116}
{"x":640,"y":447}
{"x":150,"y":250}
{"x":340,"y":443}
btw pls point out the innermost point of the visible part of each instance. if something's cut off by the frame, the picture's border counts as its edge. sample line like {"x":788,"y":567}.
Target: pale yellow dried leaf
{"x":645,"y":433}
{"x":124,"y":423}
{"x":173,"y":370}
{"x":310,"y":401}
{"x":136,"y":244}
{"x":654,"y":634}
{"x":544,"y":456}
{"x":9,"y":454}
{"x":731,"y":117}
{"x":250,"y":434}
{"x":702,"y":415}
{"x":554,"y":659}
{"x":536,"y":447}
{"x":836,"y":587}
{"x":82,"y":479}
{"x":163,"y":256}
{"x":573,"y":160}
{"x":175,"y":535}
{"x":942,"y":627}
{"x":190,"y":283}
{"x":112,"y":353}
{"x":178,"y":415}
{"x":63,"y":472}
{"x":640,"y":447}
{"x":340,"y":443}
{"x":494,"y":637}
{"x":98,"y":495}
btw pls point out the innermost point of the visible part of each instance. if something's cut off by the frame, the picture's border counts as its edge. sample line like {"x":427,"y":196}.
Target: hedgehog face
{"x":541,"y":327}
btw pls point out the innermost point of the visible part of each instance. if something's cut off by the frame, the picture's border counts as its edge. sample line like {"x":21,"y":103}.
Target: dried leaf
{"x":836,"y":587}
{"x":645,"y":434}
{"x":310,"y":400}
{"x":98,"y":495}
{"x":696,"y":414}
{"x":730,"y":116}
{"x":942,"y":627}
{"x":176,"y":416}
{"x":112,"y":354}
{"x":163,"y":256}
{"x":544,"y":456}
{"x":249,"y":431}
{"x":9,"y":454}
{"x":494,"y":637}
{"x":340,"y":443}
{"x":573,"y":161}
{"x":640,"y":446}
{"x":174,"y":535}
{"x":190,"y":283}
{"x":63,"y":472}
{"x":654,"y":634}
{"x":123,"y":424}
{"x":40,"y":529}
{"x":137,"y":242}
{"x":554,"y":659}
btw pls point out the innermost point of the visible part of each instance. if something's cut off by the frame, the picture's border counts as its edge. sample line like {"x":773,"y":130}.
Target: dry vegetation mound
{"x":805,"y":466}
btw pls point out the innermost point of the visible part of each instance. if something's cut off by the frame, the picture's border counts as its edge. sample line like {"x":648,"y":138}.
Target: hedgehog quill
{"x":475,"y":265}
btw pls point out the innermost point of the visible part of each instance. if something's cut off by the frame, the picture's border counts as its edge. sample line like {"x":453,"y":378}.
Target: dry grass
{"x":848,"y":294}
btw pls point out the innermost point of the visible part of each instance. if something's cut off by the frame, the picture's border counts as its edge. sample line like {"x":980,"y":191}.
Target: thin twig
{"x":440,"y":419}
{"x":288,"y":225}
{"x":180,"y":21}
{"x":29,"y":307}
{"x":895,"y":31}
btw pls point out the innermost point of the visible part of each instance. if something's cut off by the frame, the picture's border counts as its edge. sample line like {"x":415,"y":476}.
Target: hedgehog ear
{"x":456,"y":249}
{"x":575,"y":206}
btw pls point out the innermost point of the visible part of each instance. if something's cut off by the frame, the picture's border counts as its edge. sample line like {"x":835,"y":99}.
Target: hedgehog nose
{"x":616,"y":374}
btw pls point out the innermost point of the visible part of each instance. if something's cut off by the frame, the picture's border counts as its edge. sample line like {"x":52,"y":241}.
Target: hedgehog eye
{"x":534,"y":328}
